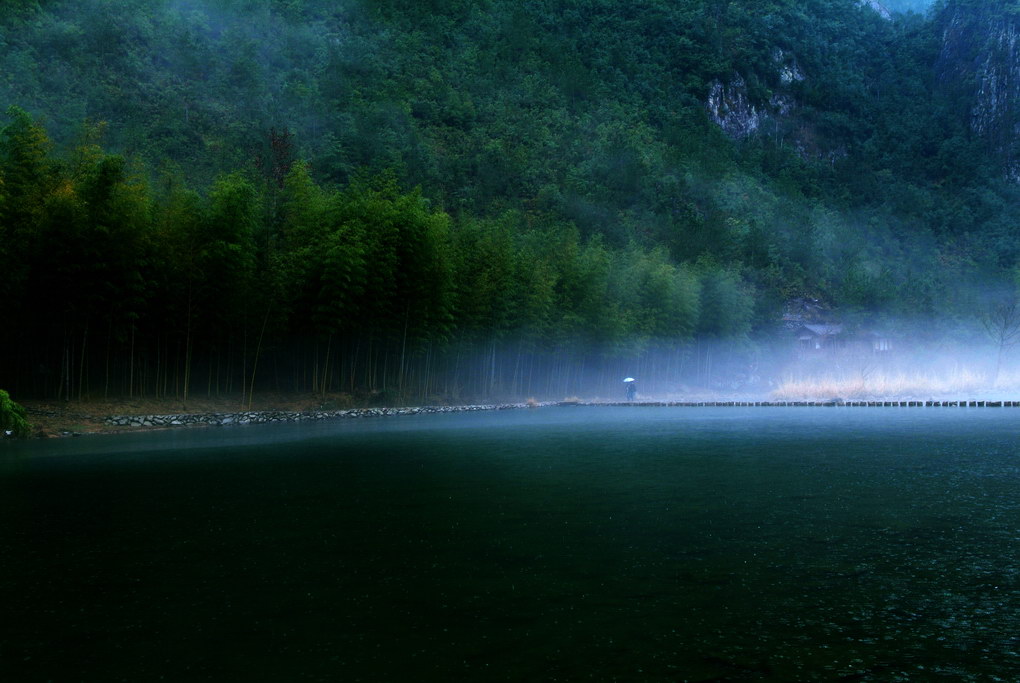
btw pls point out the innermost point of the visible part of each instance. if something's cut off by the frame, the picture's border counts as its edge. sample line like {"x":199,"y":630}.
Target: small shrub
{"x":12,"y":418}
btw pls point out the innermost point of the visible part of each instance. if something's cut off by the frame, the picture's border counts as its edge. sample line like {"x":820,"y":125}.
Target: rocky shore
{"x":267,"y":416}
{"x":49,"y":421}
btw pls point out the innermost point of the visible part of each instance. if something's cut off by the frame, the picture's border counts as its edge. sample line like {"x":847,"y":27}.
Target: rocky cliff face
{"x":979,"y":60}
{"x":731,"y":107}
{"x":978,"y":65}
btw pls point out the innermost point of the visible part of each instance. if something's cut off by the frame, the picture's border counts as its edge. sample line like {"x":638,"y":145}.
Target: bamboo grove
{"x":114,"y":286}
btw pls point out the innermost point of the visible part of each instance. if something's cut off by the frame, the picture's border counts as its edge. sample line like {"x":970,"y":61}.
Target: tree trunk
{"x":81,"y":361}
{"x":325,"y":367}
{"x":403,"y":351}
{"x":187,"y":350}
{"x":106,"y":378}
{"x":131,"y":365}
{"x":255,"y":363}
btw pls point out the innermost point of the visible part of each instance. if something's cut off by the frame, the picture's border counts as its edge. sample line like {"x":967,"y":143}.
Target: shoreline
{"x":50,"y":421}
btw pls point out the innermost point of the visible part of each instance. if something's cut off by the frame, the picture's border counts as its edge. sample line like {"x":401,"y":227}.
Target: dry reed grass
{"x":901,"y":384}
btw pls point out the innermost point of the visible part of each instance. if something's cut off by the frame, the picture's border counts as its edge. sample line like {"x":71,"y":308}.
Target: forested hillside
{"x":457,"y":199}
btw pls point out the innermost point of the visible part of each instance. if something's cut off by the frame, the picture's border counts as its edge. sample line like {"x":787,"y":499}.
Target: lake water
{"x":561,"y":544}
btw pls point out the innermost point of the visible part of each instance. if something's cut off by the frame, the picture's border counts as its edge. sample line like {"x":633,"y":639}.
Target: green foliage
{"x":27,"y":169}
{"x":570,"y":192}
{"x":12,"y":418}
{"x":725,"y":308}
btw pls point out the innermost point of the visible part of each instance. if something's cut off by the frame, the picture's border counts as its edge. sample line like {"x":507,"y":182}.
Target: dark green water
{"x":660,"y":544}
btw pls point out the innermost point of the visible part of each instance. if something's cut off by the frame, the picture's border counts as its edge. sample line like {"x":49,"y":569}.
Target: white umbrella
{"x":629,"y":379}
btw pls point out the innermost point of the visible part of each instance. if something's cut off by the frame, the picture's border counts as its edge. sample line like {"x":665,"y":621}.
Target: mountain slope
{"x":731,"y":156}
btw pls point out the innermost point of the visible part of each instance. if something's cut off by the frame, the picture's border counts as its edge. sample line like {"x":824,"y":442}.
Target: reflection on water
{"x":558,"y":544}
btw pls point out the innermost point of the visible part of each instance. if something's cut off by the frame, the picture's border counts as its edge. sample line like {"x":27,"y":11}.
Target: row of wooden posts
{"x":799,"y":404}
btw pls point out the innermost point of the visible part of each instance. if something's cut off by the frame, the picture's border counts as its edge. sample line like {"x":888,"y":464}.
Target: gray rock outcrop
{"x":268,"y":416}
{"x":979,"y":61}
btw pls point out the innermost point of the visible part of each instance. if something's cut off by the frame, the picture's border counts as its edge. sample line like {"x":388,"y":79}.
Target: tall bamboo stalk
{"x":255,"y":363}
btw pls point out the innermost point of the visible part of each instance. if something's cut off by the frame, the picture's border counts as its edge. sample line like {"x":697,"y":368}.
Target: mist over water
{"x":629,"y":543}
{"x":913,"y":366}
{"x":891,"y":360}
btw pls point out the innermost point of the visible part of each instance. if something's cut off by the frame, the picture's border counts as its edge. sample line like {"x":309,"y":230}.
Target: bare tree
{"x":1002,"y":324}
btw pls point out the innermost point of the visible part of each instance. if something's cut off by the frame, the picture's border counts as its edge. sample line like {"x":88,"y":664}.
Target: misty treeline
{"x":248,"y":215}
{"x":113,"y":286}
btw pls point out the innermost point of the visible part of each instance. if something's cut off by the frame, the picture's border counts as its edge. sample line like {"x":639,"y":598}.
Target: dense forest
{"x":414,"y":201}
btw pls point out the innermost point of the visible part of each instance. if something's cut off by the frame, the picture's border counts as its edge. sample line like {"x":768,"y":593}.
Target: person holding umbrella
{"x":631,"y":388}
